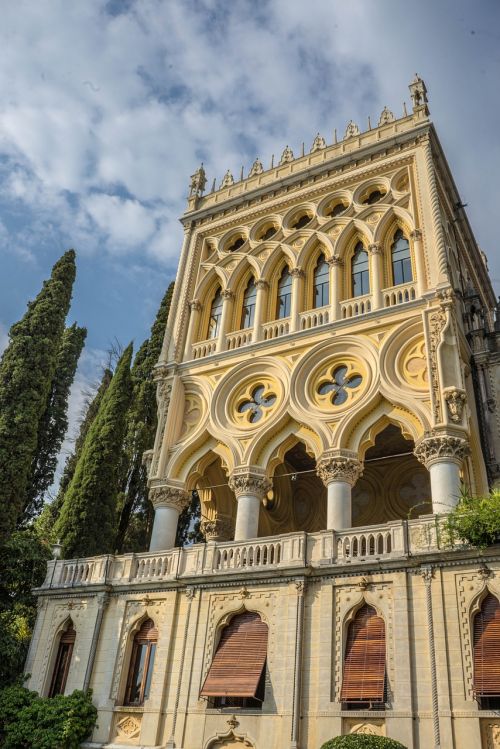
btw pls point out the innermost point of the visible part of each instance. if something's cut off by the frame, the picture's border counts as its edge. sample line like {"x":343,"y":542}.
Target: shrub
{"x":362,"y":741}
{"x":475,"y":520}
{"x":32,"y":722}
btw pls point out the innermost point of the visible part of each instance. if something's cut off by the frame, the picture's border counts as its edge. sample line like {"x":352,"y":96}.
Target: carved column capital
{"x":216,"y":529}
{"x":339,"y":465}
{"x":261,"y":284}
{"x":297,"y":273}
{"x":194,"y":305}
{"x":169,"y":496}
{"x":228,"y":294}
{"x":335,"y":262}
{"x":427,"y":573}
{"x":441,"y":447}
{"x":416,"y":235}
{"x":375,"y":248}
{"x":246,"y":481}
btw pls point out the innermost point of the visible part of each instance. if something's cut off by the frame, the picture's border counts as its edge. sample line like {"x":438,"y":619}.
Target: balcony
{"x":289,"y":552}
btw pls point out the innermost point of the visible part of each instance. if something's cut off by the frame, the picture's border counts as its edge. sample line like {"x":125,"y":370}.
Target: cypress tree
{"x":54,"y":422}
{"x":26,"y":373}
{"x":87,"y":522}
{"x":136,"y":512}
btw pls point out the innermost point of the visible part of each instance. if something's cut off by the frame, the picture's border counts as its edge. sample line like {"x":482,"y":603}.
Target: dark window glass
{"x":248,"y":311}
{"x":63,"y":661}
{"x":337,"y":210}
{"x":401,"y":259}
{"x":373,"y":197}
{"x":321,"y":283}
{"x":360,"y":273}
{"x":141,"y":664}
{"x":302,"y":221}
{"x":283,"y":306}
{"x":215,"y":315}
{"x":268,"y":233}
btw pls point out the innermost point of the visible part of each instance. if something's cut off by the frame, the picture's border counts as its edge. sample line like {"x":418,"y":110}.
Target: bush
{"x":362,"y":741}
{"x":475,"y":520}
{"x":31,"y":722}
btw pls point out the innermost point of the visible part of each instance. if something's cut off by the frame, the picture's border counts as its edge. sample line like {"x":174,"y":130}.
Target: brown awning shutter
{"x":147,"y":633}
{"x":240,"y":658}
{"x":364,"y":664}
{"x":487,"y":648}
{"x":69,"y":635}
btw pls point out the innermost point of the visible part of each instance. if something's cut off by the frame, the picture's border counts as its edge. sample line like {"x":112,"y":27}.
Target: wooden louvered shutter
{"x":147,"y":633}
{"x":364,"y":663}
{"x":240,"y":659}
{"x":487,"y":649}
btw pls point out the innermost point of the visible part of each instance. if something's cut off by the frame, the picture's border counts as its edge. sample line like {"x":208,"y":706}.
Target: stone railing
{"x":276,"y":329}
{"x":239,"y":338}
{"x":314,"y":317}
{"x":395,"y":540}
{"x":359,"y":305}
{"x":399,"y":294}
{"x":204,"y":348}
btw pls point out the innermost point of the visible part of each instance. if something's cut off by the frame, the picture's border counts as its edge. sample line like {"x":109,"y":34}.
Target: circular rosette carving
{"x":337,"y":383}
{"x":255,"y":401}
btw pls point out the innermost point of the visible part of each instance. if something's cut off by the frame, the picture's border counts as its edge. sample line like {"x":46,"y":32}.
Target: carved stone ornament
{"x":351,"y":130}
{"x":129,"y":727}
{"x":418,"y":92}
{"x":319,"y":143}
{"x":257,"y":168}
{"x":336,"y":262}
{"x":147,"y":460}
{"x":190,"y":592}
{"x":249,"y":483}
{"x":227,"y":180}
{"x":339,"y":468}
{"x":228,"y":294}
{"x":441,"y":448}
{"x":287,"y":156}
{"x":261,"y":284}
{"x":427,"y":573}
{"x":195,"y":305}
{"x":169,"y":496}
{"x":455,"y":400}
{"x":386,"y":117}
{"x":198,"y":182}
{"x":216,"y":529}
{"x":297,"y":273}
{"x":375,"y":249}
{"x":416,"y":235}
{"x":300,"y":586}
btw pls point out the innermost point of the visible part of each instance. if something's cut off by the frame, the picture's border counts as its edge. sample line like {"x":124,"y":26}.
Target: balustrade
{"x":314,"y":317}
{"x":359,"y":305}
{"x":399,"y":294}
{"x":276,"y":329}
{"x":239,"y":338}
{"x":204,"y":348}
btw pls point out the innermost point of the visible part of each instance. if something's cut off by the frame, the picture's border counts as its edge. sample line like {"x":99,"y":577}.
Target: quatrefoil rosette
{"x":334,"y":377}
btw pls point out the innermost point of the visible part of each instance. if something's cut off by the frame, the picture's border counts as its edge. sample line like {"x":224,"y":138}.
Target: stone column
{"x":298,"y":276}
{"x":250,"y":485}
{"x":336,"y":266}
{"x":442,"y":455}
{"x":376,"y":275}
{"x":194,"y":321}
{"x":102,"y":602}
{"x":227,"y":309}
{"x":260,"y":300}
{"x":168,"y":501}
{"x":416,"y":237}
{"x":339,"y":470}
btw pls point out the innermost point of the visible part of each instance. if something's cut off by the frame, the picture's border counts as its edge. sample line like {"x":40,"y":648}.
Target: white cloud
{"x":126,"y":223}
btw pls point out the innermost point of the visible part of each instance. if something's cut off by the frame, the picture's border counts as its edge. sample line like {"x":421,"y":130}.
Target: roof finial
{"x":418,"y":93}
{"x":198,"y":182}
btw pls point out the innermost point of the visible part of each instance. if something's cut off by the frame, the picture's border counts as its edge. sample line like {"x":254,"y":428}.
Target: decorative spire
{"x":318,"y":143}
{"x":351,"y":130}
{"x":418,"y":93}
{"x":386,"y":117}
{"x":227,"y":180}
{"x":198,"y":182}
{"x":257,"y":168}
{"x":287,"y":156}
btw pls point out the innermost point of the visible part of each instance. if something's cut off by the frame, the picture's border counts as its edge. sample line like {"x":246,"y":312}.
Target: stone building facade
{"x":329,"y":379}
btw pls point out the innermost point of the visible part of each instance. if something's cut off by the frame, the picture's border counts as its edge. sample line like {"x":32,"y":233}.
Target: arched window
{"x":360,"y":276}
{"x":237,"y":675}
{"x":321,"y":283}
{"x":373,"y":197}
{"x":283,"y":305}
{"x":487,"y":654}
{"x":215,"y":315}
{"x":401,"y":259}
{"x":63,"y":660}
{"x":141,"y":665}
{"x":236,"y":244}
{"x":301,"y":221}
{"x":249,"y":300}
{"x":363,"y":680}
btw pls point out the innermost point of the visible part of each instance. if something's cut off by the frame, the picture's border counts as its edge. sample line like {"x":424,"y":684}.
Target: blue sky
{"x":108,"y":107}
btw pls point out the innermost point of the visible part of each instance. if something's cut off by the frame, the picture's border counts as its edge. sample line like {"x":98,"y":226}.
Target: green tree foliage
{"x":23,"y":566}
{"x":135,"y":511}
{"x":362,"y":741}
{"x":28,"y":721}
{"x":475,"y":520}
{"x":26,"y":373}
{"x":189,"y":524}
{"x":54,"y":422}
{"x":87,"y":521}
{"x":46,"y":522}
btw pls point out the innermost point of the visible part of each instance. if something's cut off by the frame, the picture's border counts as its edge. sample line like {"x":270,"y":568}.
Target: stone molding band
{"x":438,"y":448}
{"x":169,"y":496}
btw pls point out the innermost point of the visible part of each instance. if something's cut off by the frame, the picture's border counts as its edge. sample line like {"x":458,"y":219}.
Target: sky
{"x":108,"y":106}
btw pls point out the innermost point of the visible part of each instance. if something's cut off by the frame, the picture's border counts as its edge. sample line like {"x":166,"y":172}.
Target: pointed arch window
{"x":401,"y":259}
{"x":63,"y":660}
{"x":363,"y":680}
{"x":487,"y":654}
{"x":284,"y":301}
{"x":321,"y":283}
{"x":360,"y":276}
{"x":249,"y":301}
{"x":215,"y":315}
{"x":141,"y":665}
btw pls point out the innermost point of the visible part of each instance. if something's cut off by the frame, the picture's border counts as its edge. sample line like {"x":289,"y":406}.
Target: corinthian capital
{"x":375,"y":249}
{"x":248,"y":481}
{"x":443,"y":447}
{"x":297,"y":273}
{"x":169,"y":496}
{"x":339,"y":465}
